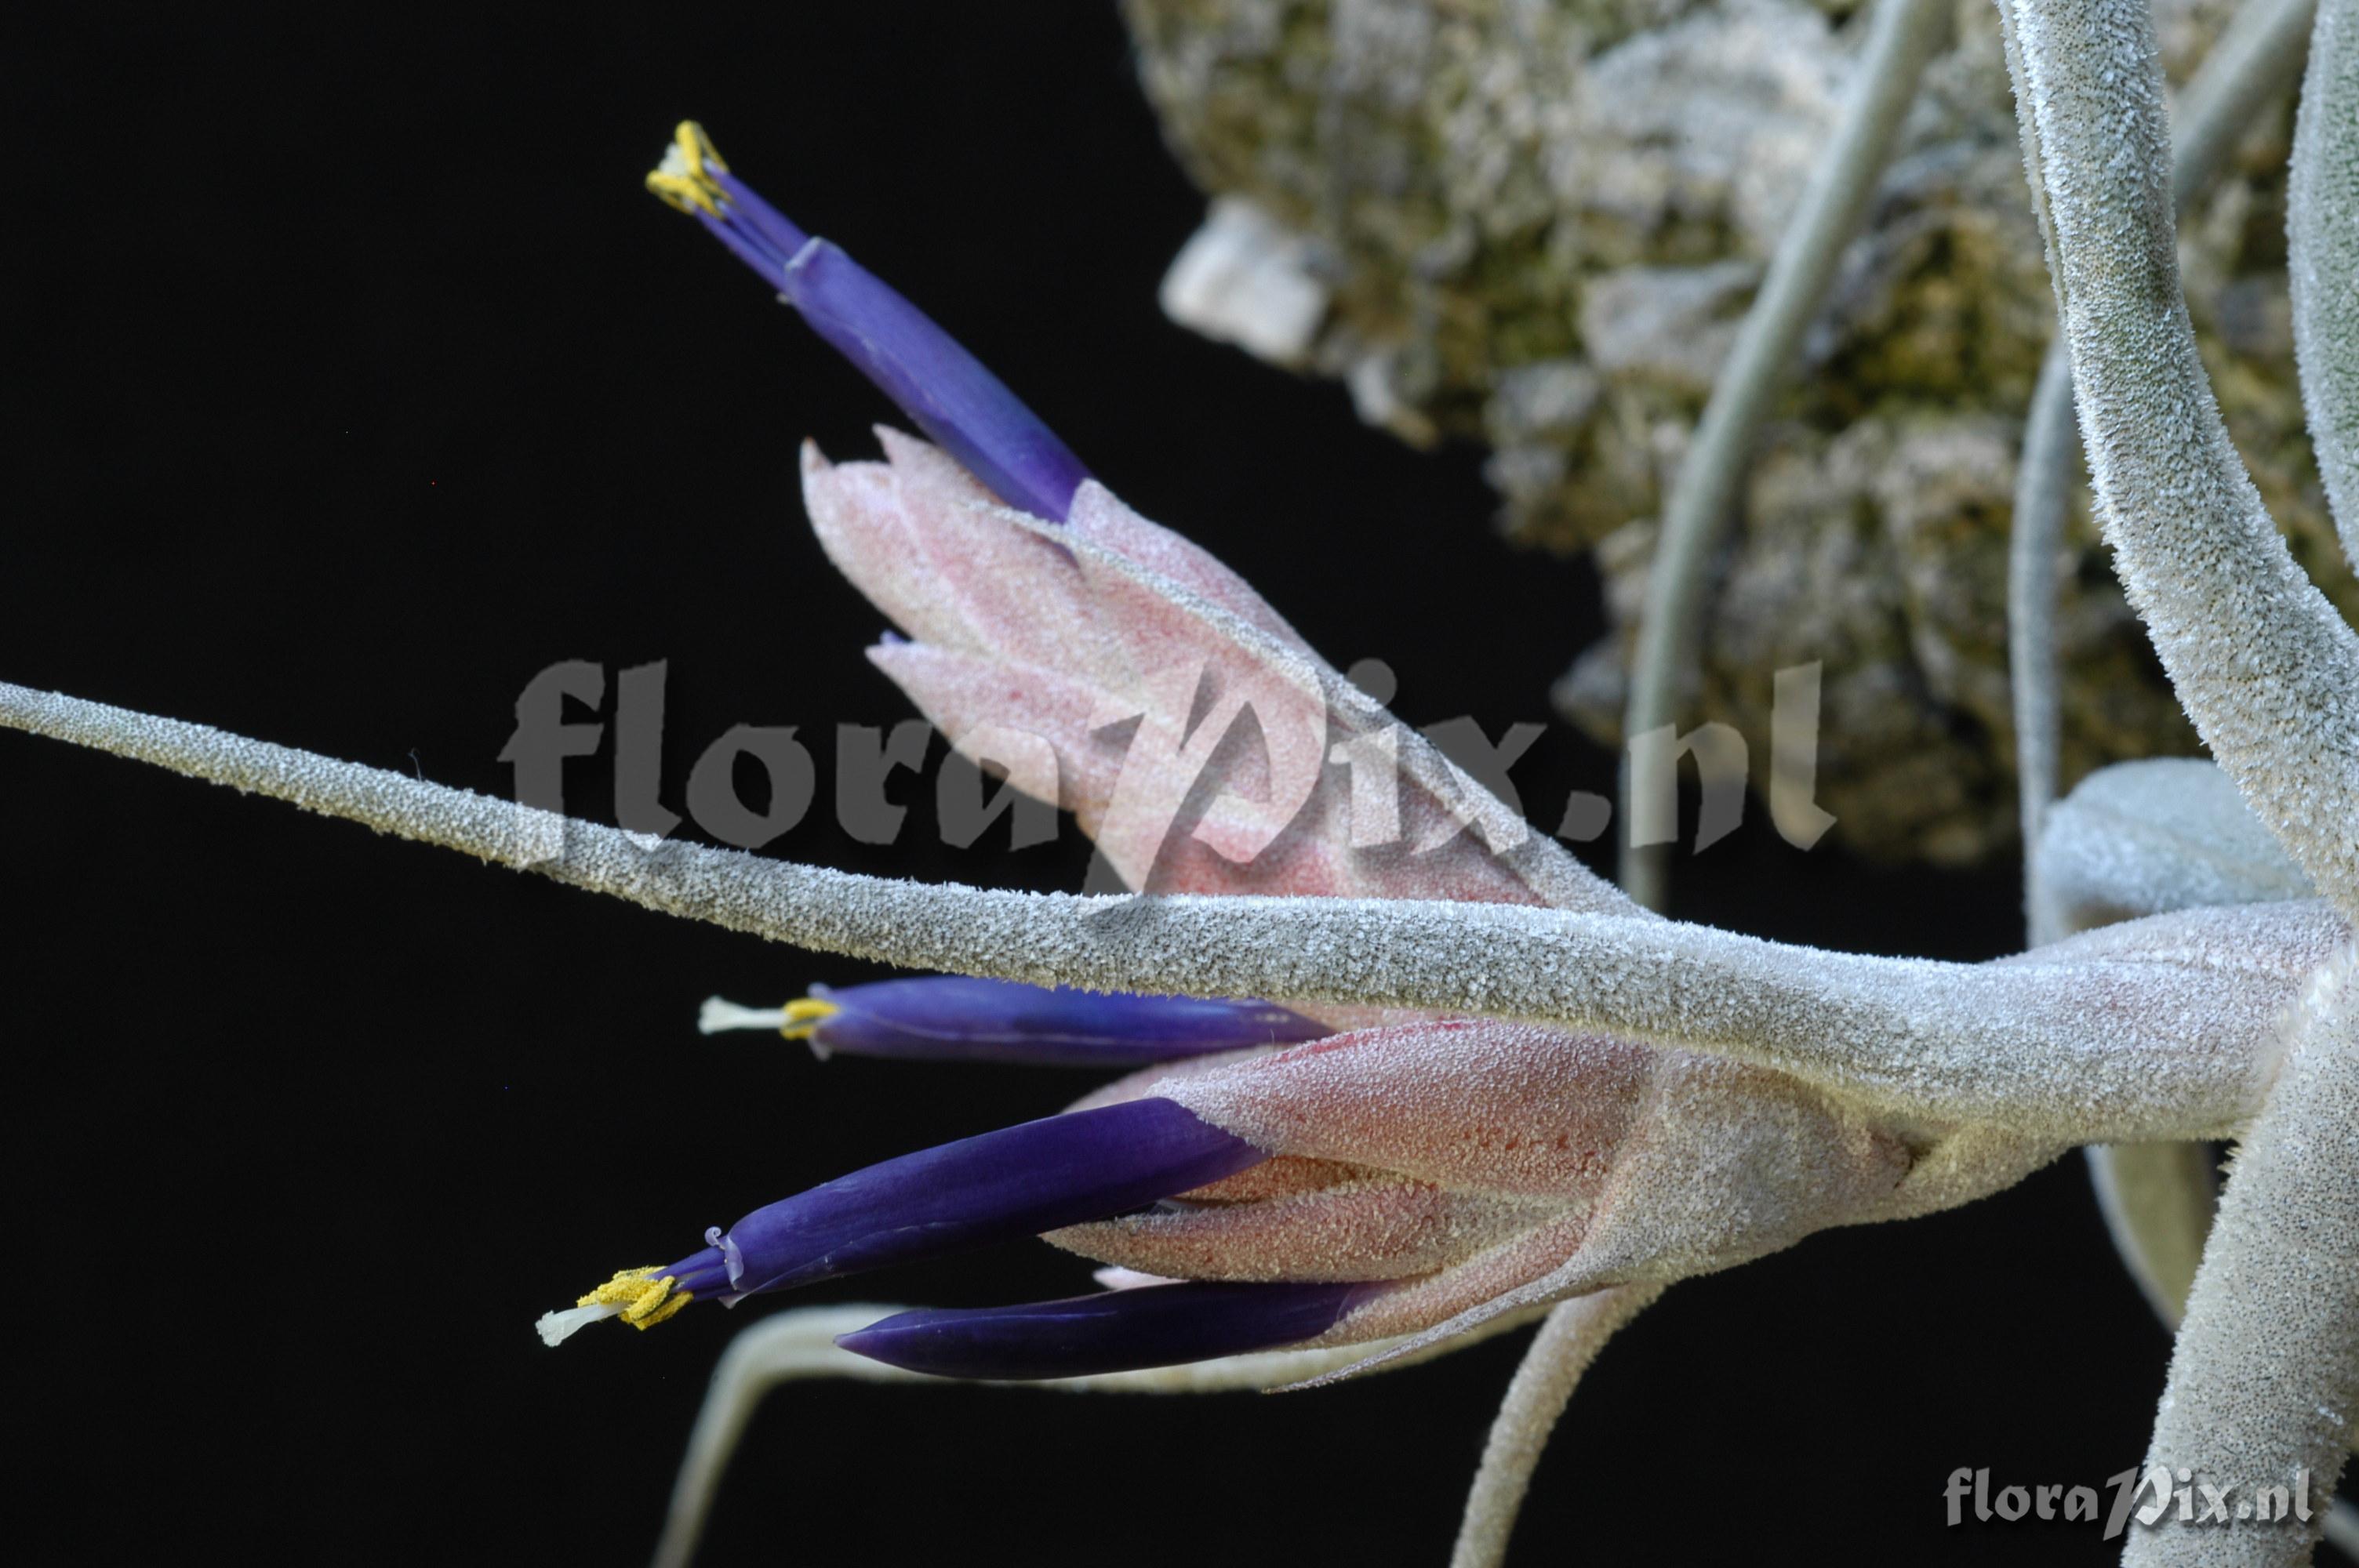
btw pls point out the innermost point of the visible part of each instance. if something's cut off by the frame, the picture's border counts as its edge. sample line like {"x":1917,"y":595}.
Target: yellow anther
{"x":645,"y":1300}
{"x":805,"y":1016}
{"x":684,"y":180}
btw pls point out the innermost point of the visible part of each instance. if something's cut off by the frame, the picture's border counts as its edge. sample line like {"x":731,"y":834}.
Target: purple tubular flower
{"x":1115,"y":1331}
{"x":949,"y":1018}
{"x":967,"y":411}
{"x":1018,"y":1182}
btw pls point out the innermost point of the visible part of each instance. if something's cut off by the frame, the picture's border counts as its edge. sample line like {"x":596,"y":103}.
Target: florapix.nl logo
{"x":1231,"y":765}
{"x":2145,"y":1497}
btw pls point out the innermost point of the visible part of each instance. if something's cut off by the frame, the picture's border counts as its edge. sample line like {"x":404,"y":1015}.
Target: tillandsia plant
{"x":1397,"y":1073}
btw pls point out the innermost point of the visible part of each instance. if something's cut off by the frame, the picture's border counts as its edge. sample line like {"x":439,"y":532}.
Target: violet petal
{"x":953,"y":1018}
{"x":1115,"y":1331}
{"x":967,"y":411}
{"x":1018,"y":1182}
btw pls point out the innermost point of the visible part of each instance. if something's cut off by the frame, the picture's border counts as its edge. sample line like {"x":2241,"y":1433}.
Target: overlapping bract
{"x":1114,"y":668}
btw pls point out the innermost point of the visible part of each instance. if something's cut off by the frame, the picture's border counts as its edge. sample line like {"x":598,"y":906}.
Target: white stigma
{"x":557,"y":1327}
{"x":718,"y":1016}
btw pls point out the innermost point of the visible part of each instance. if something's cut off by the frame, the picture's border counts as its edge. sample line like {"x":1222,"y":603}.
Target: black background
{"x":352,"y":381}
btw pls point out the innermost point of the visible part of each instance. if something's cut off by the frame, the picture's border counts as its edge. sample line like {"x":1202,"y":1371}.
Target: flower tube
{"x":921,"y":368}
{"x":1020,"y":1181}
{"x":948,"y":1018}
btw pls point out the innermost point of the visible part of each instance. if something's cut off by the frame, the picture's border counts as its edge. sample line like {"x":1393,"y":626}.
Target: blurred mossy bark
{"x":1533,"y":223}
